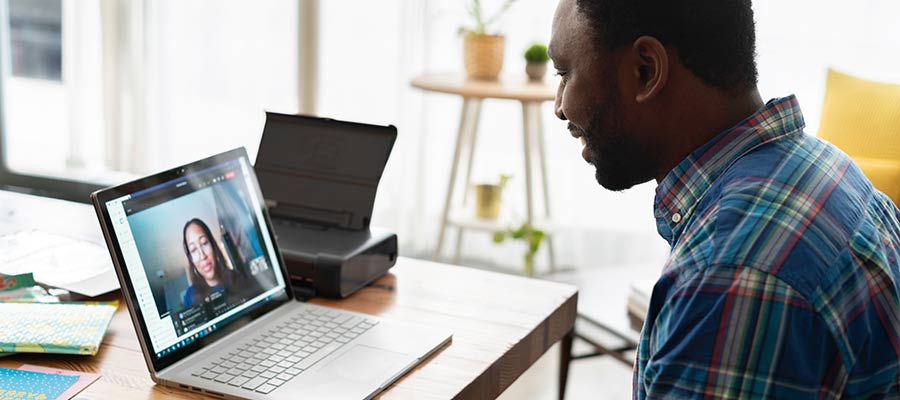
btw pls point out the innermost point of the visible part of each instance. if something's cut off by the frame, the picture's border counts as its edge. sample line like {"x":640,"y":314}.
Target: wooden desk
{"x":531,"y":95}
{"x":501,"y":325}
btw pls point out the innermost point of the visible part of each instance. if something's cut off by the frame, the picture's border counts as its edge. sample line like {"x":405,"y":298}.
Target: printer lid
{"x":322,"y":170}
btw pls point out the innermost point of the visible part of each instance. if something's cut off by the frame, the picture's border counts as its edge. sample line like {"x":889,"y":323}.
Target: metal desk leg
{"x":565,"y":357}
{"x":464,"y":122}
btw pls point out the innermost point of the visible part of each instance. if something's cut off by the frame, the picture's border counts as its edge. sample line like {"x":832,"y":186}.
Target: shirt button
{"x":676,"y":218}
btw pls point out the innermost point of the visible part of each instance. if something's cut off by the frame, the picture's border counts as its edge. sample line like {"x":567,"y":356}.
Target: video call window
{"x":200,"y":246}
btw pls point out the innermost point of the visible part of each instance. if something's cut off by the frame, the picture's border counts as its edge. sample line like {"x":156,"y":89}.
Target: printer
{"x":319,"y":177}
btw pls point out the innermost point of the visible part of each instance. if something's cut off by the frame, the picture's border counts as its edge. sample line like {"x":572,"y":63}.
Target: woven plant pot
{"x":483,"y":56}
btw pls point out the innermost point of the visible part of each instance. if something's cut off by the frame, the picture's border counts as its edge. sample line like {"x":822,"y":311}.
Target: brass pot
{"x":483,"y":56}
{"x":487,"y":200}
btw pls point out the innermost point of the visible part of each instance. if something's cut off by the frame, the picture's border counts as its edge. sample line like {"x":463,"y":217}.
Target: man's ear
{"x":652,"y":71}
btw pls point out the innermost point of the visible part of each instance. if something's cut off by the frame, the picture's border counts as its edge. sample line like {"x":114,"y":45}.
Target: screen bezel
{"x":101,"y":197}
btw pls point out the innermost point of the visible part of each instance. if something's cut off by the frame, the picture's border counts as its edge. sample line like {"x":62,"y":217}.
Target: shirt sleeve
{"x":732,"y":332}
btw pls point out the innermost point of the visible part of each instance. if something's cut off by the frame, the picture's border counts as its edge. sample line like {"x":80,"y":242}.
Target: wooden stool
{"x":531,"y":95}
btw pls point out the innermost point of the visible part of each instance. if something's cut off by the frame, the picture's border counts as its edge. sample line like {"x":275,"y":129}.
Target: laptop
{"x":211,"y":300}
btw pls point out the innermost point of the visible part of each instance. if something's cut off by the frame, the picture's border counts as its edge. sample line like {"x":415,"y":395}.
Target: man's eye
{"x":562,"y":74}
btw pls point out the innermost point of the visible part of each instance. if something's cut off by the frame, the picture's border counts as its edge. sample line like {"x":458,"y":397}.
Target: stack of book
{"x":639,"y":302}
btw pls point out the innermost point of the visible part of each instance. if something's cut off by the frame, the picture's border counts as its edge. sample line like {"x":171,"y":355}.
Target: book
{"x":64,"y":328}
{"x":17,"y":384}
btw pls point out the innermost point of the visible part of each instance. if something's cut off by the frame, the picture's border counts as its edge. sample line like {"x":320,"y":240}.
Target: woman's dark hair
{"x":715,"y":39}
{"x":201,"y":289}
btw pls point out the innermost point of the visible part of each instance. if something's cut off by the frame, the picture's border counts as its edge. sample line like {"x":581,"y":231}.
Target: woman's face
{"x":200,"y":248}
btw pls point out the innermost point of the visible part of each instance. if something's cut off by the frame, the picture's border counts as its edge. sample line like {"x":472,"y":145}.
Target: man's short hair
{"x":714,"y":39}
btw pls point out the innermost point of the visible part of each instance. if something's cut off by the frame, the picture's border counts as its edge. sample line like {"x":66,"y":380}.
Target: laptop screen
{"x":197,"y":251}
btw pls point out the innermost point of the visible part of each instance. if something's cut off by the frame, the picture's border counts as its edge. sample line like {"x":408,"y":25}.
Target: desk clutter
{"x":41,"y":383}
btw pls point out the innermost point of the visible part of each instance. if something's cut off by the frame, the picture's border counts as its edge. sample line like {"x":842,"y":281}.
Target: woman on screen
{"x":208,"y":273}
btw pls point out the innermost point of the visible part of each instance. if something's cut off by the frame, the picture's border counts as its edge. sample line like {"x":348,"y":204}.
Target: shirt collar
{"x":683,"y":187}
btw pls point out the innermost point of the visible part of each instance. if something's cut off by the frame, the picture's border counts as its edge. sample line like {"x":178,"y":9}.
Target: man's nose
{"x":558,"y":110}
{"x":558,"y":105}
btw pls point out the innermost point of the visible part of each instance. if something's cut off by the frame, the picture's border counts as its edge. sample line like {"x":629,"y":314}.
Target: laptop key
{"x":238,"y":381}
{"x":224,"y":378}
{"x":268,"y":374}
{"x":293,"y":371}
{"x":254,"y":383}
{"x":267,"y":388}
{"x":209,"y":375}
{"x":284,"y":376}
{"x":276,"y":382}
{"x":315,"y":357}
{"x":351,"y":322}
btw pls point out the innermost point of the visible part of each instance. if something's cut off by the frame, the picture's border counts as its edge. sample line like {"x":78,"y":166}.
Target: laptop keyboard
{"x":279,"y":354}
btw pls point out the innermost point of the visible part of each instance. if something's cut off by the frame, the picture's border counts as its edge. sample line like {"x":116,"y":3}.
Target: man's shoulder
{"x":790,"y":209}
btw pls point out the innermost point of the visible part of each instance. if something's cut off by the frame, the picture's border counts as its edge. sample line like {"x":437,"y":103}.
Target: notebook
{"x":65,"y":328}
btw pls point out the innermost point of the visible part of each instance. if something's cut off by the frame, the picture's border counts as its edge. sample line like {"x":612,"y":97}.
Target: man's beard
{"x":620,"y":161}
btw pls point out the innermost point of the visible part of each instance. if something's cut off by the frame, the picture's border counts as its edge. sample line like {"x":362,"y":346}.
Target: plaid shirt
{"x":784,"y":273}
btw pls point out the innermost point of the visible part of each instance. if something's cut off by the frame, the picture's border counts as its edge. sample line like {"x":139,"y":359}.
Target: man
{"x":782,"y":281}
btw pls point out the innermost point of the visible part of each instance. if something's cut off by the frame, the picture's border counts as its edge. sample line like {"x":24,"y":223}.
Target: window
{"x":35,"y":31}
{"x":94,"y":92}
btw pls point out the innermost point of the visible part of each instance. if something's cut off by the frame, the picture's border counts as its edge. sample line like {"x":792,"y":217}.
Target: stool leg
{"x":542,"y":155}
{"x":526,"y":128}
{"x":472,"y":138}
{"x":565,"y":357}
{"x":460,"y":135}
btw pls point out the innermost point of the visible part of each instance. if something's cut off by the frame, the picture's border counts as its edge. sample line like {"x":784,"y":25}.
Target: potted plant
{"x":483,"y":50}
{"x":536,"y":61}
{"x":532,"y":237}
{"x":488,"y":197}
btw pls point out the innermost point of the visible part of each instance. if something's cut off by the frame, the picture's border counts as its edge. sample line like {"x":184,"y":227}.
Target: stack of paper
{"x":67,"y":328}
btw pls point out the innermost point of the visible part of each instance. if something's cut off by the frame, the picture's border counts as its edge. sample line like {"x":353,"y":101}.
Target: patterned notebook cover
{"x":18,"y":385}
{"x":66,"y":328}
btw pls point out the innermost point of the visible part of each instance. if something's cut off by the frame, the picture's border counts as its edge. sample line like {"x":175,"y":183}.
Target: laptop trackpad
{"x":368,"y":364}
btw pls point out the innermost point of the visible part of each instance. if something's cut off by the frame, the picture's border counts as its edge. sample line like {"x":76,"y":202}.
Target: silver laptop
{"x":210,"y":298}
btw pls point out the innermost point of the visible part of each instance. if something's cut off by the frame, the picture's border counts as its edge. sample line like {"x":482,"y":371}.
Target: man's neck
{"x":697,"y":122}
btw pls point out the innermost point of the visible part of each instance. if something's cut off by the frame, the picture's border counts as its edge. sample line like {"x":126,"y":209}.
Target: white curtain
{"x":365,"y":74}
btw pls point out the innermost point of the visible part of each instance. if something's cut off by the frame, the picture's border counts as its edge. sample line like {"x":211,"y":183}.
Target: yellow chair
{"x":862,"y":118}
